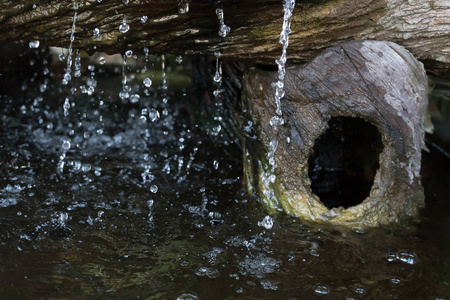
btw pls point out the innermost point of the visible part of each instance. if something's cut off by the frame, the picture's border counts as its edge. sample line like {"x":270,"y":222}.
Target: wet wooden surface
{"x":423,"y":27}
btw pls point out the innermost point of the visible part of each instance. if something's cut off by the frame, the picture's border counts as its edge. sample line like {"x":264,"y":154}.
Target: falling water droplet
{"x":124,"y":27}
{"x":67,"y":77}
{"x":153,"y":114}
{"x":144,"y":19}
{"x":129,"y":53}
{"x":34,"y":44}
{"x":134,"y":98}
{"x":154,"y":189}
{"x":66,"y":145}
{"x":77,"y":65}
{"x":218,"y":73}
{"x":147,"y":82}
{"x":223,"y":29}
{"x":183,"y":6}
{"x":215,"y":164}
{"x":179,"y":59}
{"x":102,"y":60}
{"x":96,"y":33}
{"x":66,"y":107}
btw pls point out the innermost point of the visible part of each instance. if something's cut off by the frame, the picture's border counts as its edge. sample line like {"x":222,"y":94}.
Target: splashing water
{"x":163,"y":72}
{"x":146,"y":200}
{"x":224,"y":30}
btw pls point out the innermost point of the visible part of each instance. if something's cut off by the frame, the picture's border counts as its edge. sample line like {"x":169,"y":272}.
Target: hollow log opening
{"x":344,"y":161}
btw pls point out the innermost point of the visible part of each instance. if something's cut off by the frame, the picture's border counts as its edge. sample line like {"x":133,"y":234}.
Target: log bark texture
{"x":379,"y":82}
{"x":423,"y":27}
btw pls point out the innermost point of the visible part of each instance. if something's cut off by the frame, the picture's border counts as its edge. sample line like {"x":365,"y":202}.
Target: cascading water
{"x":288,"y":7}
{"x":269,"y":176}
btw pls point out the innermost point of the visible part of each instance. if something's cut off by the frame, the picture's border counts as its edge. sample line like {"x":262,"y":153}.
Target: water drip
{"x":125,"y":93}
{"x":223,"y":29}
{"x":34,"y":44}
{"x":163,"y":73}
{"x":218,"y":74}
{"x":96,"y":33}
{"x":183,"y":6}
{"x":67,"y":77}
{"x":124,"y":27}
{"x":91,"y":81}
{"x":77,"y":64}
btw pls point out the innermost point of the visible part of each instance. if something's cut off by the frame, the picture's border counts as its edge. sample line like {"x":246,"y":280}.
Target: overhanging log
{"x":423,"y":27}
{"x":380,"y":83}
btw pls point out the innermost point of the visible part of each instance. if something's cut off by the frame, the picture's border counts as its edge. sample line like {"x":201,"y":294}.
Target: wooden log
{"x":423,"y":27}
{"x":379,"y":82}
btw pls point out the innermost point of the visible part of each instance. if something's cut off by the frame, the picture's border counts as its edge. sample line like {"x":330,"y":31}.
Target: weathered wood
{"x":423,"y":27}
{"x":379,"y":82}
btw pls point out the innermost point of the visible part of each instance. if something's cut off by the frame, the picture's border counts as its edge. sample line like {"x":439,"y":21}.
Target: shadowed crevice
{"x":345,"y":159}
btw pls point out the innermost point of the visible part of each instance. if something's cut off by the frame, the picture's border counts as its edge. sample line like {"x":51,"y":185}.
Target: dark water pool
{"x":142,"y":209}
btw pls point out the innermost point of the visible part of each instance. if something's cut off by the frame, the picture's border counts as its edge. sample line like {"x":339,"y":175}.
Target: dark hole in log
{"x":344,"y":162}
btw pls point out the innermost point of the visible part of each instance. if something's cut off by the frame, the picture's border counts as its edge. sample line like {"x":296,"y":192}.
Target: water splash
{"x":67,"y":76}
{"x":267,"y":222}
{"x":224,"y":30}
